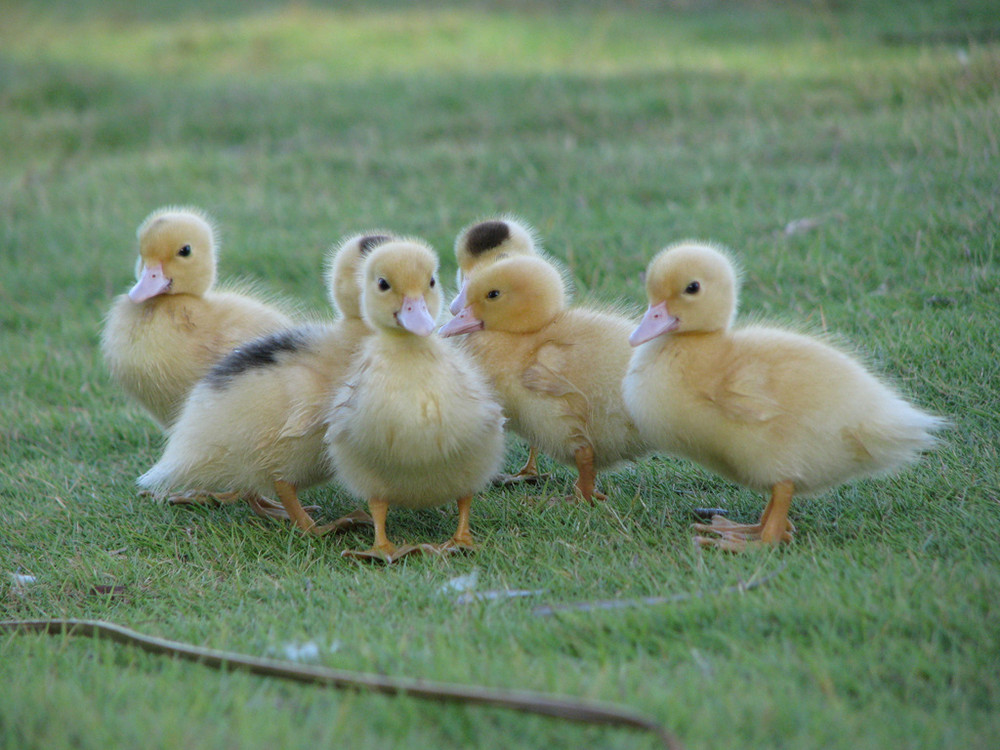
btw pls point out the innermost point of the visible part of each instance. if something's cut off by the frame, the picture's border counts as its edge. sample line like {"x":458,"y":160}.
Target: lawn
{"x":848,"y":153}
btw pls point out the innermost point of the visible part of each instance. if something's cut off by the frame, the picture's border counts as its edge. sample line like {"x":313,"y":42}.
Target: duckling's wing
{"x":302,"y":419}
{"x":305,"y":404}
{"x":341,"y":410}
{"x":744,"y":393}
{"x":546,"y":375}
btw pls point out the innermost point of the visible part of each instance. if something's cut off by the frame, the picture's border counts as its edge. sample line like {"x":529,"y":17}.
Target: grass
{"x":613,"y":133}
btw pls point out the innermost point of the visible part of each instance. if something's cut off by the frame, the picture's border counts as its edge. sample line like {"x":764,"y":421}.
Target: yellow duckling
{"x":171,"y":327}
{"x":255,"y":423}
{"x":486,"y":242}
{"x":477,"y":246}
{"x":557,"y":369}
{"x":343,"y":269}
{"x":415,"y":423}
{"x":765,"y":407}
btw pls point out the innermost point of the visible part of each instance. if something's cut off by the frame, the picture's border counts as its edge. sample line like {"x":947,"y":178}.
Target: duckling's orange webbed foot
{"x":386,"y":553}
{"x":453,"y":546}
{"x":198,"y":497}
{"x":259,"y":505}
{"x":580,"y":496}
{"x":352,"y":520}
{"x":521,"y":477}
{"x":527,"y":474}
{"x":736,"y":541}
{"x":383,"y":550}
{"x":772,"y":529}
{"x":456,"y":544}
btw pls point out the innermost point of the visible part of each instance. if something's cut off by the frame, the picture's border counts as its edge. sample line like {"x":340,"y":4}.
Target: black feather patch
{"x":486,"y":236}
{"x":367,"y":244}
{"x":257,"y":353}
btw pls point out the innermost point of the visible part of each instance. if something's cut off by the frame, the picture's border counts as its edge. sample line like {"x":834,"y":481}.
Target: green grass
{"x":614,"y":133}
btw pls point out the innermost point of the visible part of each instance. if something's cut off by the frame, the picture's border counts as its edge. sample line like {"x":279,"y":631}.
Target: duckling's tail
{"x":895,"y":438}
{"x":158,"y":480}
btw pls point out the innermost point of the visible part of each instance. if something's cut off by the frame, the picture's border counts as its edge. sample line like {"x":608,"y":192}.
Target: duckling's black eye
{"x":692,"y":288}
{"x":433,"y":282}
{"x":383,"y":285}
{"x":493,"y":294}
{"x":184,"y":251}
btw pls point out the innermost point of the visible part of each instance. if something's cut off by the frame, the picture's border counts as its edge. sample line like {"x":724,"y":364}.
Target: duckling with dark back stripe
{"x":254,"y":424}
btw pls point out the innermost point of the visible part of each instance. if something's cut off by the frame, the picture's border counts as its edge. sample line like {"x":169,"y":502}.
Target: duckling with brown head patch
{"x":486,"y":242}
{"x":557,"y":369}
{"x":344,"y":266}
{"x":477,"y":246}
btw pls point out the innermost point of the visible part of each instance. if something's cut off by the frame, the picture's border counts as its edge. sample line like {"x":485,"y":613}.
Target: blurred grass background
{"x":846,"y":150}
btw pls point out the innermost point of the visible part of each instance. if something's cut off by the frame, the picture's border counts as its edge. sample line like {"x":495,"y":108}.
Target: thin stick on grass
{"x":571,"y":709}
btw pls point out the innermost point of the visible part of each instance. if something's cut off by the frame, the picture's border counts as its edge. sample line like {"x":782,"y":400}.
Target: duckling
{"x":255,"y":422}
{"x":415,"y":423}
{"x":768,"y":408}
{"x":171,"y":327}
{"x":342,"y":269}
{"x":557,"y":369}
{"x":488,"y":241}
{"x":477,"y":246}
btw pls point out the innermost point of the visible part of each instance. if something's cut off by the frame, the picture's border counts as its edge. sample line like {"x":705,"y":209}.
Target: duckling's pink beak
{"x":415,"y":317}
{"x":464,"y":322}
{"x":460,"y":300}
{"x":656,"y":321}
{"x":152,"y":282}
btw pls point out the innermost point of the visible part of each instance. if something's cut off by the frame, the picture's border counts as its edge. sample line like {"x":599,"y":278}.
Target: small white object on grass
{"x":308,"y":651}
{"x":461,"y":583}
{"x":466,"y":585}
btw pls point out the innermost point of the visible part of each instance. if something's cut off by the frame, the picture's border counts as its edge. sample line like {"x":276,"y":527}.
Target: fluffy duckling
{"x":172,"y":326}
{"x":343,"y":268}
{"x":415,"y":423}
{"x":773,"y":410}
{"x":477,"y":246}
{"x":486,"y":242}
{"x":557,"y":369}
{"x":255,"y":423}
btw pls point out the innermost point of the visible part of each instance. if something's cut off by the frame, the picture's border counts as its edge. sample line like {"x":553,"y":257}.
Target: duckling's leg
{"x":383,"y":549}
{"x":198,"y":497}
{"x":260,"y":505}
{"x":530,"y":468}
{"x":290,"y":500}
{"x":269,"y":509}
{"x":773,"y":527}
{"x":527,"y":473}
{"x":584,"y":487}
{"x":462,"y":539}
